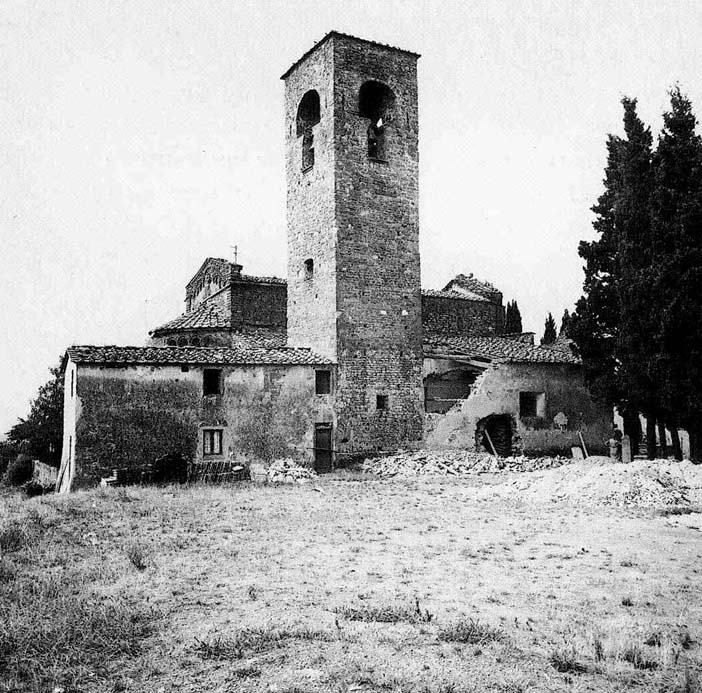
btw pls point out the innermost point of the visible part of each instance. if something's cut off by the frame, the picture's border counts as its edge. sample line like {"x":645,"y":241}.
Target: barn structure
{"x":347,"y":356}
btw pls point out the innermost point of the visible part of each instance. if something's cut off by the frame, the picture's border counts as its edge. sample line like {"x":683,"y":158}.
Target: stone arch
{"x":376,"y":102}
{"x":308,"y":115}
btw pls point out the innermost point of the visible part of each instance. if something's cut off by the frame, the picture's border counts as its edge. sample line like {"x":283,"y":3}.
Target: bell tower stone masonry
{"x":354,"y":294}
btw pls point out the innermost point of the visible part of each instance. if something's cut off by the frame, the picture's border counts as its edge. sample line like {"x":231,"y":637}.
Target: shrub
{"x":172,"y":468}
{"x":19,"y":471}
{"x":33,"y":488}
{"x":470,"y":631}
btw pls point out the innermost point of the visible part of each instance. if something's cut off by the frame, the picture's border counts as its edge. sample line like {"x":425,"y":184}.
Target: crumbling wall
{"x":460,"y":316}
{"x":569,"y":410}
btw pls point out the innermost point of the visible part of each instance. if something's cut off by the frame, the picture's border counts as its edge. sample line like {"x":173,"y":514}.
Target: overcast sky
{"x":138,"y":138}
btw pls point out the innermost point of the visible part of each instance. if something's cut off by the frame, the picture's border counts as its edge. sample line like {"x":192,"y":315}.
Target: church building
{"x":347,"y":356}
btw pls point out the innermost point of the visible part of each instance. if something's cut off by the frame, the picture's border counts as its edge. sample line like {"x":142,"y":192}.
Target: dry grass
{"x":419,"y":586}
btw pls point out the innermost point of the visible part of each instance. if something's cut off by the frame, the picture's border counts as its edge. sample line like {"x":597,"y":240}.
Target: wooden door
{"x":323,"y":447}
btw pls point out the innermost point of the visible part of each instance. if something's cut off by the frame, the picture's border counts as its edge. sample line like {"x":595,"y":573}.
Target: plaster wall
{"x":126,"y":417}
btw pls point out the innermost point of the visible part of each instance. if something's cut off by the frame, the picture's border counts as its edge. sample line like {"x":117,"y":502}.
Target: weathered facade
{"x":346,"y":355}
{"x":127,"y":406}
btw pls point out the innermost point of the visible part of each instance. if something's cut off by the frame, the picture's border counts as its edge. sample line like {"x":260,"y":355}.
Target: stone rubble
{"x":602,"y":482}
{"x":287,"y":471}
{"x":454,"y":462}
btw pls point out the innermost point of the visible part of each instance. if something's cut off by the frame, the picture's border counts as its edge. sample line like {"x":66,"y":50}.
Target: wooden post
{"x":582,"y":440}
{"x":487,"y":435}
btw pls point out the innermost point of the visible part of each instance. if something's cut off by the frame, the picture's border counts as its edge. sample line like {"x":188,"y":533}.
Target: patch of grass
{"x":136,"y":553}
{"x":53,"y":633}
{"x":246,"y":673}
{"x":470,"y":631}
{"x":635,"y":655}
{"x":13,"y":537}
{"x":566,"y":661}
{"x":385,"y":613}
{"x":255,"y":640}
{"x":654,"y":639}
{"x":8,"y":571}
{"x":627,"y":601}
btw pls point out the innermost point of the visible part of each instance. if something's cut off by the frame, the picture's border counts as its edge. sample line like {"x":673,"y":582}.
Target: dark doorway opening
{"x":500,"y":431}
{"x":323,"y":447}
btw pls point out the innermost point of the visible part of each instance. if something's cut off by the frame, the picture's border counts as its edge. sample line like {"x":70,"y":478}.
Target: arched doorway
{"x":500,"y":429}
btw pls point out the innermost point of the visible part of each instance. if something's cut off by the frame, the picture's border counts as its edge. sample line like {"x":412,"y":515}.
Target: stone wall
{"x":458,"y":316}
{"x":126,"y":417}
{"x":257,"y":304}
{"x":496,"y":391}
{"x":378,"y":281}
{"x":311,"y":222}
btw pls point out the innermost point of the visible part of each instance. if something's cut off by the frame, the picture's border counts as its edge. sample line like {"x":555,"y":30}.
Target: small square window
{"x":532,"y":404}
{"x":184,"y":369}
{"x":212,"y":381}
{"x":322,"y":382}
{"x":211,"y":442}
{"x":381,"y":402}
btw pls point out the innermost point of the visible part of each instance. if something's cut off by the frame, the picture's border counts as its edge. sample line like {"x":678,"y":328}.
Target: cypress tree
{"x":677,"y":244}
{"x":594,"y":325}
{"x":513,"y":318}
{"x":549,"y":330}
{"x":635,"y":351}
{"x":565,"y":320}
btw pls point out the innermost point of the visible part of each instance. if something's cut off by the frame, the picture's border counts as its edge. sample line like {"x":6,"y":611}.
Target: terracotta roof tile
{"x":495,"y":349}
{"x":208,"y":315}
{"x":225,"y":356}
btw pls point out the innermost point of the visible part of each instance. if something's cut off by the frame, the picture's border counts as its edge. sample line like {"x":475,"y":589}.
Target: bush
{"x":19,"y":471}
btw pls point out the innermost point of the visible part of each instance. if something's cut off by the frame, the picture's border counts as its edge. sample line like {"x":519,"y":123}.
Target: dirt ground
{"x":349,"y":583}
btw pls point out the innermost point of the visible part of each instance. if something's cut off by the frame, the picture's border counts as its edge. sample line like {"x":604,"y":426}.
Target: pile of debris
{"x":641,"y":484}
{"x":287,"y":471}
{"x":454,"y":462}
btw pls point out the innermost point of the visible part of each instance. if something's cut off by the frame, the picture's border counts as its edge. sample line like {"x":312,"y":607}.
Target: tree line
{"x":638,"y":325}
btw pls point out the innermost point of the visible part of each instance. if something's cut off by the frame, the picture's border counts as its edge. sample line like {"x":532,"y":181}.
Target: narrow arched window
{"x":307,"y":117}
{"x":376,"y":102}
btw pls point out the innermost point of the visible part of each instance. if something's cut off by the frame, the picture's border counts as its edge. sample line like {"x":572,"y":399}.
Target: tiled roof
{"x":562,"y":343}
{"x":225,"y":356}
{"x":268,"y":338}
{"x":208,"y":315}
{"x":465,"y":296}
{"x":496,"y":349}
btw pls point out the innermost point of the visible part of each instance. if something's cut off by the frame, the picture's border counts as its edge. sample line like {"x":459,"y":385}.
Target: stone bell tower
{"x":354,"y":292}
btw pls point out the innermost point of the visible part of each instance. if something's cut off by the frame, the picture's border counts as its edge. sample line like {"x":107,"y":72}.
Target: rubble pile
{"x":287,"y":471}
{"x":641,"y":484}
{"x":454,"y":462}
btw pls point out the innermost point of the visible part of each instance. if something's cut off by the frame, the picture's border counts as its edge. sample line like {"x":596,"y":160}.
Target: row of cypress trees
{"x":638,"y":324}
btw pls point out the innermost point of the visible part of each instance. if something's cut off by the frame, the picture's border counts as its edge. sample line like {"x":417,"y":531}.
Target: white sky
{"x":139,"y":137}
